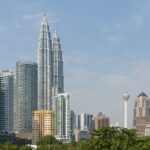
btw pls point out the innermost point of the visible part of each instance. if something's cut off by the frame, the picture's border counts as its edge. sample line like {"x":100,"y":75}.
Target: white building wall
{"x":62,"y":117}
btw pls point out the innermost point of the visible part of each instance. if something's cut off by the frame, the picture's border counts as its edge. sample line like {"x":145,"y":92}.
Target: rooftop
{"x":142,"y":94}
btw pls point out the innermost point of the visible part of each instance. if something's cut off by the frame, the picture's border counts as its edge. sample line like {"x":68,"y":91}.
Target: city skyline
{"x":104,"y":45}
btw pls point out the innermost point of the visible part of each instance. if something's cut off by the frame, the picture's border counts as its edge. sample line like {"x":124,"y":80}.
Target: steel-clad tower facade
{"x":50,"y":67}
{"x":58,"y":79}
{"x":44,"y":61}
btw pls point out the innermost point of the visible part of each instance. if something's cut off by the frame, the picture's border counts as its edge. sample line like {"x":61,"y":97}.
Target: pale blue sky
{"x":105,"y":43}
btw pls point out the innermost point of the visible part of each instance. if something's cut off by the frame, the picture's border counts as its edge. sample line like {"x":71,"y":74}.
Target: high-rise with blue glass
{"x":6,"y":100}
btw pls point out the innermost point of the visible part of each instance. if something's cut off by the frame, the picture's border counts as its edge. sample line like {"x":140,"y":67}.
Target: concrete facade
{"x":141,"y":113}
{"x":99,"y":121}
{"x":42,"y":124}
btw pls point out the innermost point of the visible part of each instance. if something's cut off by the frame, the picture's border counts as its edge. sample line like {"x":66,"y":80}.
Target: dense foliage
{"x":10,"y":146}
{"x":109,"y":138}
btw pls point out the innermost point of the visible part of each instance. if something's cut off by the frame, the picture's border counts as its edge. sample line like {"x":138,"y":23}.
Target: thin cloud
{"x":18,"y":25}
{"x":37,"y":16}
{"x":118,"y":24}
{"x":96,"y":90}
{"x":30,"y":17}
{"x":77,"y":58}
{"x":113,"y":39}
{"x":2,"y":29}
{"x":138,"y":19}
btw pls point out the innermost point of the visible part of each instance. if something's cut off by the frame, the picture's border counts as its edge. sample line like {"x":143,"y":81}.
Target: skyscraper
{"x":44,"y":61}
{"x":6,"y":100}
{"x":50,"y":66}
{"x":141,"y":113}
{"x":72,"y":123}
{"x":85,"y":121}
{"x":62,"y":117}
{"x":25,"y":95}
{"x":57,"y":78}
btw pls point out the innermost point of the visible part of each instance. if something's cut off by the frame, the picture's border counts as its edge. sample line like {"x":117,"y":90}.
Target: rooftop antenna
{"x":44,"y":15}
{"x":44,"y":12}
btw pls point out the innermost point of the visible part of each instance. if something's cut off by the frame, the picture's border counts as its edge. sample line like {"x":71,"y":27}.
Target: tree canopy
{"x":108,"y":138}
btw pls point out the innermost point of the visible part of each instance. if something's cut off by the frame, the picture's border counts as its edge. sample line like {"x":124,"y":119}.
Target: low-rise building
{"x":80,"y":135}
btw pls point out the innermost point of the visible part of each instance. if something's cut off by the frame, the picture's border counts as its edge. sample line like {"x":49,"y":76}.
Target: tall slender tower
{"x":125,"y":98}
{"x":58,"y":79}
{"x":44,"y":61}
{"x":50,"y":67}
{"x":62,"y":117}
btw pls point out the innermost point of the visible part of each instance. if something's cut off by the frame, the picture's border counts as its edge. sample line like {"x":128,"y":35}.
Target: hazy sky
{"x":105,"y":43}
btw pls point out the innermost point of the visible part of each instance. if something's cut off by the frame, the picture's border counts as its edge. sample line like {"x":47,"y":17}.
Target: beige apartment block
{"x":42,"y":124}
{"x":99,"y":121}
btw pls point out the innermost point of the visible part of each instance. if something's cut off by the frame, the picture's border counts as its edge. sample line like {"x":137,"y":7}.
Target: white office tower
{"x":50,"y":67}
{"x":125,"y":98}
{"x":6,"y":100}
{"x":85,"y":121}
{"x":25,"y":100}
{"x":62,"y":117}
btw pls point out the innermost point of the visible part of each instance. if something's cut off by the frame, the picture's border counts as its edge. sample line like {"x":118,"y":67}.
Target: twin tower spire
{"x":50,"y":67}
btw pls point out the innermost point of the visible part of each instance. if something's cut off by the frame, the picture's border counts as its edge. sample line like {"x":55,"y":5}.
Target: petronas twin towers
{"x":50,"y":67}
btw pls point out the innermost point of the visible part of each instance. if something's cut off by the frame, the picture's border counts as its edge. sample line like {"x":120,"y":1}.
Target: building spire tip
{"x":55,"y":34}
{"x":44,"y":16}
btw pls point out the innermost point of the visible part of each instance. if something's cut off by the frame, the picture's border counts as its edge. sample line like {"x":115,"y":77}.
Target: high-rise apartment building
{"x":99,"y":121}
{"x":6,"y":100}
{"x":72,"y":124}
{"x":72,"y":120}
{"x":62,"y":117}
{"x":25,"y":100}
{"x":50,"y":67}
{"x":141,"y":113}
{"x":85,"y":121}
{"x":42,"y":124}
